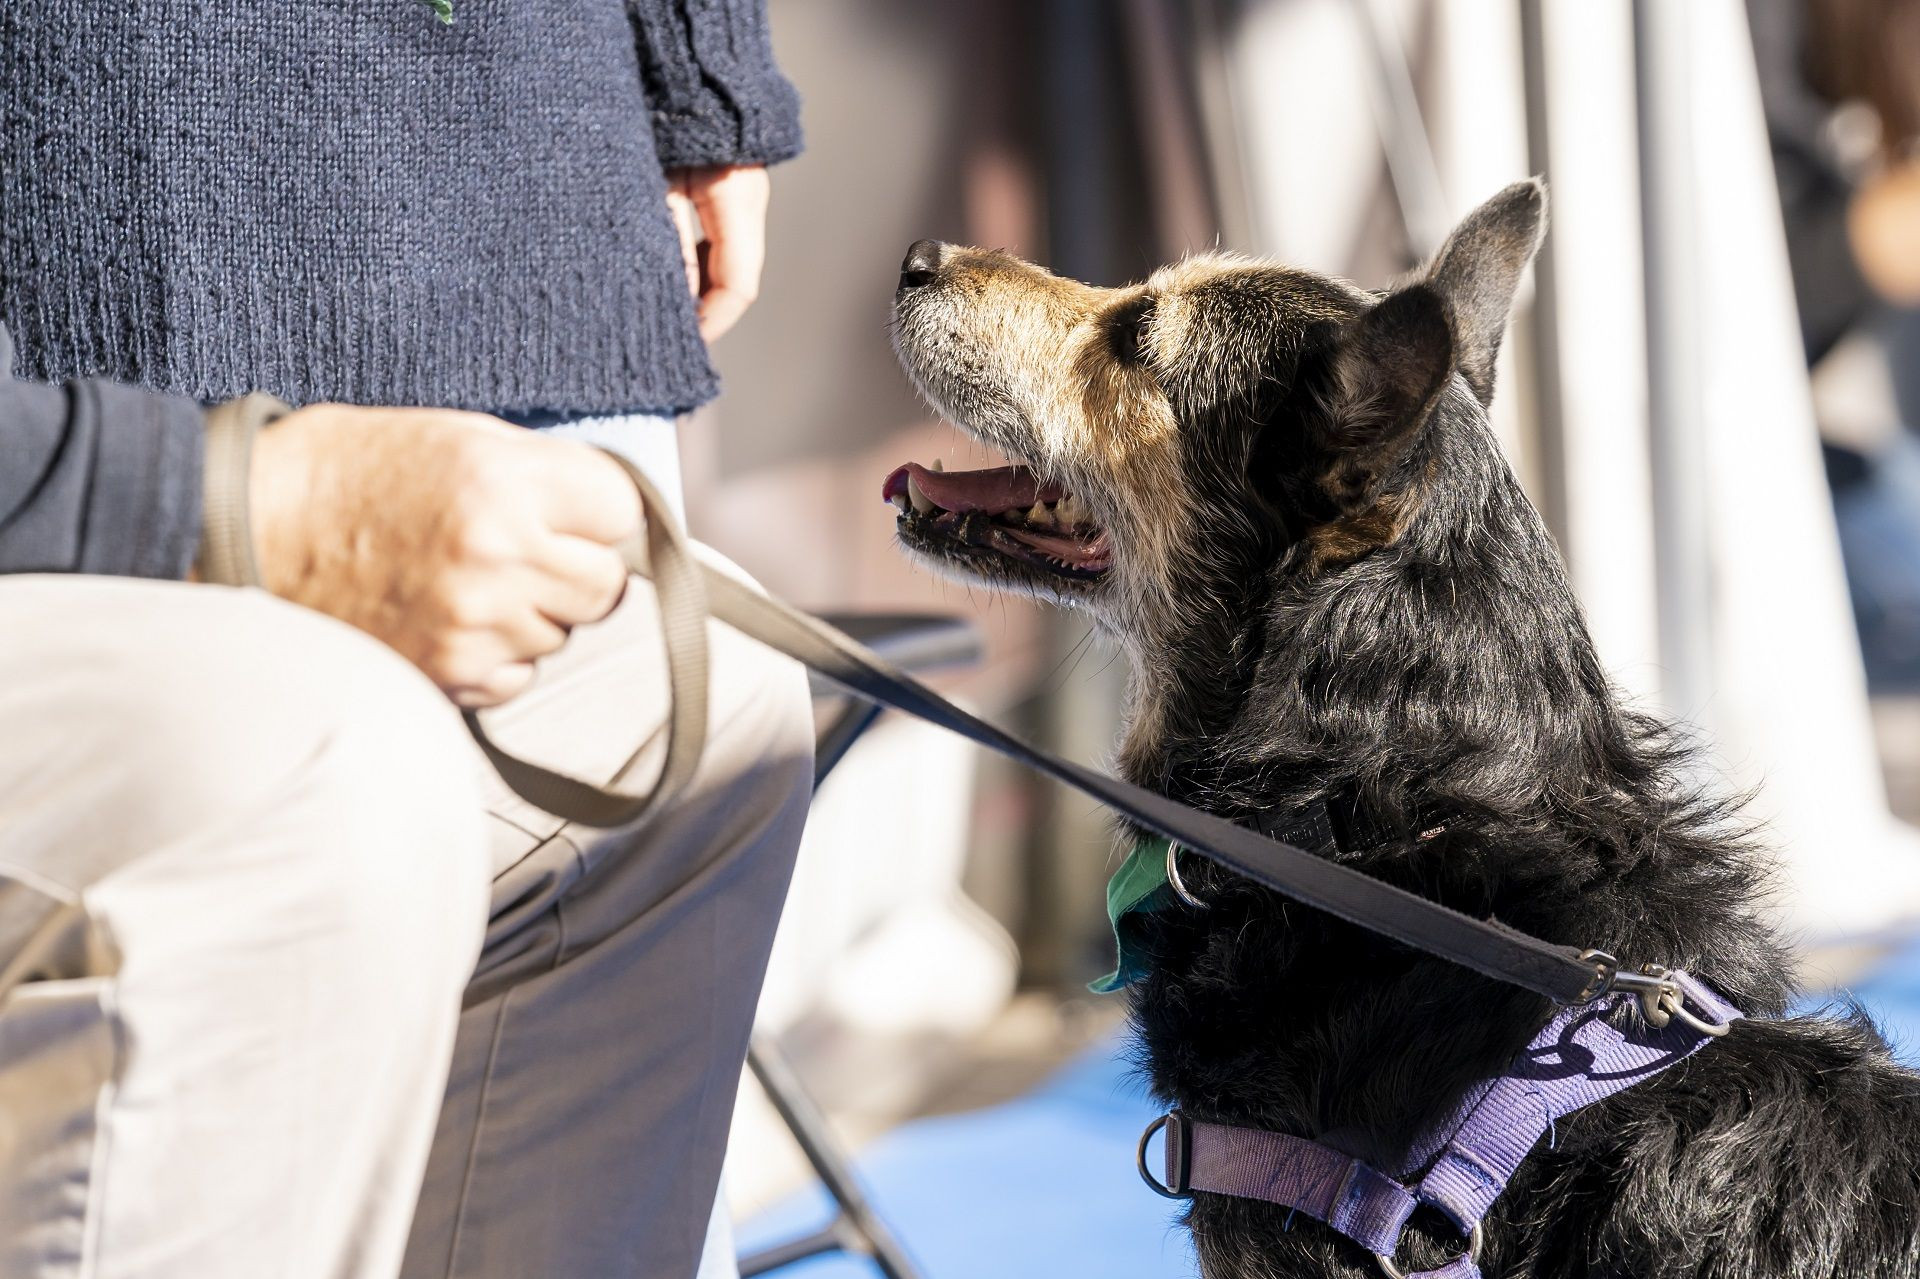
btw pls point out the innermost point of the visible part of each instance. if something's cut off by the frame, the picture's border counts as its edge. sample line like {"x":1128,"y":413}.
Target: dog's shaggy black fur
{"x":1372,"y":611}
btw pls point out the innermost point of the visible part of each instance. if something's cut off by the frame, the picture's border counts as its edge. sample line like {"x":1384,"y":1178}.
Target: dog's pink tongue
{"x":1001,"y":488}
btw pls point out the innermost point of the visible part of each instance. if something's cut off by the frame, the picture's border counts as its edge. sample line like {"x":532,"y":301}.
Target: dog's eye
{"x":1130,"y":329}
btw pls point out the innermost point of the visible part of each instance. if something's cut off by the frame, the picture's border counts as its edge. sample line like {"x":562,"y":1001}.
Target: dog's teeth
{"x":1039,"y":514}
{"x":938,"y":465}
{"x":921,"y":502}
{"x":1069,"y":511}
{"x":900,"y":502}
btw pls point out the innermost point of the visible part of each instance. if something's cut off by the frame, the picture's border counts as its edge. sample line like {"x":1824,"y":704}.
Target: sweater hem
{"x":573,"y":342}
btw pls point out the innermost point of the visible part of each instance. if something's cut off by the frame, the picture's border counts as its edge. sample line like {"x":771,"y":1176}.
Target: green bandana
{"x":1139,"y":886}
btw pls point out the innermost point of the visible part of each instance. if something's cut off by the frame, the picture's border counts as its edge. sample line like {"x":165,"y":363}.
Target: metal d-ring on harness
{"x":1174,"y":881}
{"x":1463,"y":1164}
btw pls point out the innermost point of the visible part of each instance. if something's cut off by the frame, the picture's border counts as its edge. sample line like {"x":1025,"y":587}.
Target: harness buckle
{"x":1179,"y":1157}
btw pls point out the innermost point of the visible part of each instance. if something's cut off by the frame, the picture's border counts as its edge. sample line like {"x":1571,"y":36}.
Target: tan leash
{"x":662,"y":554}
{"x":659,"y":553}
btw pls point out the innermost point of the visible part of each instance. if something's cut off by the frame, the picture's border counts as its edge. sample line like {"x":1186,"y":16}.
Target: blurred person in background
{"x":243,"y":857}
{"x":1840,"y":80}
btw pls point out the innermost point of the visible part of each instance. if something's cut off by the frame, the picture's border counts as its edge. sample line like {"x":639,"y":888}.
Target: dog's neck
{"x":1447,"y":676}
{"x":1453,"y":655}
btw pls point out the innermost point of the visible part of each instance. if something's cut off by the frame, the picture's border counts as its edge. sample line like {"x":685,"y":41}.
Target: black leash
{"x":1560,"y":973}
{"x":663,"y":555}
{"x":1486,"y":946}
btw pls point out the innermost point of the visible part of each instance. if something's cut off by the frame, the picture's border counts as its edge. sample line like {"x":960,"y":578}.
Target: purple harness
{"x":1577,"y":1060}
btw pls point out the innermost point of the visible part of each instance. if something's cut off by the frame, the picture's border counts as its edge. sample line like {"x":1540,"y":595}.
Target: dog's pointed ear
{"x":1478,"y":271}
{"x":1388,"y":369}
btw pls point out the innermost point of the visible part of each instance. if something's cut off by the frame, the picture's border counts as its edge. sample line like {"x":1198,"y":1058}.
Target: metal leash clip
{"x":1656,"y":989}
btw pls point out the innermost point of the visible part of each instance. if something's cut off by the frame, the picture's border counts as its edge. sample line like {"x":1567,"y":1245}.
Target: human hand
{"x":728,"y":204}
{"x":466,"y":545}
{"x":1883,"y":223}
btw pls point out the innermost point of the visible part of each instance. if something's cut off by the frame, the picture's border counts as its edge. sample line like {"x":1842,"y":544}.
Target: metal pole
{"x":1087,"y":195}
{"x":1677,"y":450}
{"x":1223,"y":133}
{"x":1550,"y":427}
{"x":1403,"y":133}
{"x":858,"y":1227}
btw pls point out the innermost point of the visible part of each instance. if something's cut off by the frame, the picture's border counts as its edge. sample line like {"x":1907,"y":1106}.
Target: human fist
{"x":466,"y":545}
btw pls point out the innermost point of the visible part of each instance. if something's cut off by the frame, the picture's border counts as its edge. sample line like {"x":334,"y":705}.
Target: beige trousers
{"x":279,"y":961}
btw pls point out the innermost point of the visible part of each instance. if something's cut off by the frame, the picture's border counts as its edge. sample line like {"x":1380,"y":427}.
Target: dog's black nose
{"x":922,"y":263}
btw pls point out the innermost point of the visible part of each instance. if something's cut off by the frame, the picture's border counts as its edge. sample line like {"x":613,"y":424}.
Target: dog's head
{"x":1225,"y":418}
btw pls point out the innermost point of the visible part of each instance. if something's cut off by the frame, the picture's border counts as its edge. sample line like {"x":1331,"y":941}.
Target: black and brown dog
{"x":1280,"y":495}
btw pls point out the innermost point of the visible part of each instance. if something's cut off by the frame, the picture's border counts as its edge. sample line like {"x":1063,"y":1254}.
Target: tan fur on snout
{"x":1225,"y":417}
{"x":1076,"y":411}
{"x":1027,"y":361}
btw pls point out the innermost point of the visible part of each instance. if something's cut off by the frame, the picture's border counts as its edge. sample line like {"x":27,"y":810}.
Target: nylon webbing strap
{"x":687,"y":589}
{"x":1485,"y":946}
{"x":226,"y":557}
{"x":662,"y":554}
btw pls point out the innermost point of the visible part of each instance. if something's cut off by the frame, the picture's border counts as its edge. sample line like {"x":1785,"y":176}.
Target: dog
{"x":1279,"y":494}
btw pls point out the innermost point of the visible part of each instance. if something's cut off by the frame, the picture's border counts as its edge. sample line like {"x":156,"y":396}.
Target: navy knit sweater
{"x":348,"y":200}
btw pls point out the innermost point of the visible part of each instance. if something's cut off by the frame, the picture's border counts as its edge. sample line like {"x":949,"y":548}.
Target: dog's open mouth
{"x":1004,"y":509}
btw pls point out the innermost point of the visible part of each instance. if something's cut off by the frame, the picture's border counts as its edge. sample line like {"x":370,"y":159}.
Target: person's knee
{"x":240,"y":735}
{"x":382,"y":803}
{"x":244,"y":696}
{"x":389,"y":812}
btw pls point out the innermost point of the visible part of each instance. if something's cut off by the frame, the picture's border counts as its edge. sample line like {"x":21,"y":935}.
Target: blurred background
{"x":1711,"y":392}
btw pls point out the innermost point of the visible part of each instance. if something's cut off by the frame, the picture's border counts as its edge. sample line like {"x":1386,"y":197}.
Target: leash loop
{"x":661,"y":553}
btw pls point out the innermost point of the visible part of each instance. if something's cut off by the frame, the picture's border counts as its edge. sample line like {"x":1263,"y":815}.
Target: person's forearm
{"x":98,"y":478}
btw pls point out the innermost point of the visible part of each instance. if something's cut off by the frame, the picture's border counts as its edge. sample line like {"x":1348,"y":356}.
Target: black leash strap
{"x":1485,"y":946}
{"x":681,"y":581}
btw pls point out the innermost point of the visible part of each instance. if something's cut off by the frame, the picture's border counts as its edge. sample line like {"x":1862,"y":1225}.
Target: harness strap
{"x":1365,"y":1205}
{"x":1583,"y":1055}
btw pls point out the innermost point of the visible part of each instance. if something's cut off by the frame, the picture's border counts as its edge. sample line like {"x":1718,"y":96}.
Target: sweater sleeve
{"x":711,"y":84}
{"x":97,"y":478}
